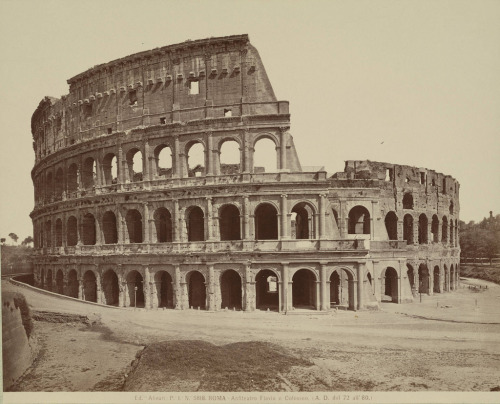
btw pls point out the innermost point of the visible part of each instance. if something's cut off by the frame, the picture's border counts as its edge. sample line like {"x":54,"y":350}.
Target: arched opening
{"x":163,"y":160}
{"x":444,"y":230}
{"x":72,"y":178}
{"x":423,"y":277}
{"x":72,"y":231}
{"x":134,"y":226}
{"x":422,"y":229}
{"x":88,"y":228}
{"x":164,"y":290}
{"x":435,"y":229}
{"x":230,"y":288}
{"x":389,"y":283}
{"x":48,"y":280}
{"x":58,"y":233}
{"x":302,"y":221}
{"x":195,"y":160}
{"x":452,"y":277}
{"x":304,"y":289}
{"x":196,"y":290}
{"x":391,"y":225}
{"x":411,"y":277}
{"x":452,"y":234}
{"x":266,"y":290}
{"x":109,"y":228}
{"x":408,"y":229}
{"x":265,"y":156}
{"x":89,"y":173}
{"x":59,"y":184}
{"x":110,"y":168}
{"x":437,"y":280}
{"x":72,"y":289}
{"x":359,"y":220}
{"x":266,"y":222}
{"x":89,"y":287}
{"x":135,"y":165}
{"x":110,"y":288}
{"x":229,"y":223}
{"x":195,"y":224}
{"x":451,"y":207}
{"x":342,"y":289}
{"x":48,"y":233}
{"x":408,"y":201}
{"x":59,"y":282}
{"x":163,"y":225}
{"x":229,"y":157}
{"x":42,"y":279}
{"x":135,"y":289}
{"x":49,"y":188}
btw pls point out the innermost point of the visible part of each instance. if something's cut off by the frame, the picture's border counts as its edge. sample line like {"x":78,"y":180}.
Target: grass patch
{"x":202,"y":366}
{"x":21,"y":303}
{"x":489,"y":273}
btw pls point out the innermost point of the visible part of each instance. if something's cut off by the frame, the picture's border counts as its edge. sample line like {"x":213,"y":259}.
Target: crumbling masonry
{"x":123,"y":217}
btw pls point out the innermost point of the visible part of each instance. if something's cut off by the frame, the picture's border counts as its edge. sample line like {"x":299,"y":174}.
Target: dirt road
{"x":448,"y":342}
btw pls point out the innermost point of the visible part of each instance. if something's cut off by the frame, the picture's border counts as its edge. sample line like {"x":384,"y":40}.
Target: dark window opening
{"x":408,"y":229}
{"x":304,"y":289}
{"x":408,"y":201}
{"x":422,"y":178}
{"x":110,"y":131}
{"x":164,"y":289}
{"x":132,"y":98}
{"x":163,"y":121}
{"x":197,"y":294}
{"x":89,"y":230}
{"x":110,"y":288}
{"x":391,"y":225}
{"x":109,"y":228}
{"x":134,"y":226}
{"x":229,"y":223}
{"x":266,"y":222}
{"x":163,"y":225}
{"x":89,"y":287}
{"x":196,"y":224}
{"x":135,"y":289}
{"x":228,"y":113}
{"x":435,"y":229}
{"x":444,"y":230}
{"x":422,"y":229}
{"x":72,"y":232}
{"x":437,"y":280}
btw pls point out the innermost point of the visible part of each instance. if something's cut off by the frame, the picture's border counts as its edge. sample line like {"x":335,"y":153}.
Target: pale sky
{"x":423,"y":77}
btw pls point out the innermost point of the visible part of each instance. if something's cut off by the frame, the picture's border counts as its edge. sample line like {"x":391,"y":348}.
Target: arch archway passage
{"x":134,"y":226}
{"x":408,"y":201}
{"x":58,"y":233}
{"x":49,"y":280}
{"x":444,"y":230}
{"x":59,"y":184}
{"x":72,"y":178}
{"x":229,"y":223}
{"x":265,"y":156}
{"x":72,"y":289}
{"x":197,"y":295}
{"x":109,"y":228}
{"x":59,"y":282}
{"x":48,"y":233}
{"x":135,"y":165}
{"x":423,"y":277}
{"x":135,"y":289}
{"x":437,"y":280}
{"x":110,"y":288}
{"x":304,"y":224}
{"x":195,"y":224}
{"x":163,"y":159}
{"x":89,"y":287}
{"x":422,"y":229}
{"x":89,"y":230}
{"x":391,"y":225}
{"x":266,"y":290}
{"x":43,"y":283}
{"x":230,"y":287}
{"x":229,"y":160}
{"x":89,"y":173}
{"x":389,"y":283}
{"x":435,"y":229}
{"x":266,"y":222}
{"x":110,"y":168}
{"x":411,"y":277}
{"x":342,"y":289}
{"x":163,"y":225}
{"x":164,"y":290}
{"x":408,"y":229}
{"x":195,"y":159}
{"x":304,"y":289}
{"x":359,"y":220}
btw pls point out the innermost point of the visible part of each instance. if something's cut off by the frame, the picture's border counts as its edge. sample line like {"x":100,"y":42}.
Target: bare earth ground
{"x":449,"y":342}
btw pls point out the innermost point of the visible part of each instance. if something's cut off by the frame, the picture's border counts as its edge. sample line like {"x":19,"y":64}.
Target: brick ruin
{"x":124,"y":217}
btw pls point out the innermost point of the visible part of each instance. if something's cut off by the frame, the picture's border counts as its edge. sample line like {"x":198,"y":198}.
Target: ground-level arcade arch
{"x":342,"y":289}
{"x":135,"y":289}
{"x":389,"y":285}
{"x":231,"y":291}
{"x":197,"y":294}
{"x":267,"y":290}
{"x":304,"y":289}
{"x":164,"y":289}
{"x":111,"y":288}
{"x":90,"y":286}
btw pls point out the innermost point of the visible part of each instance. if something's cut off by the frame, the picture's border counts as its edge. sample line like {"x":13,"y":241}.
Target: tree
{"x":28,"y":240}
{"x":2,"y":240}
{"x":481,"y":240}
{"x":14,"y":237}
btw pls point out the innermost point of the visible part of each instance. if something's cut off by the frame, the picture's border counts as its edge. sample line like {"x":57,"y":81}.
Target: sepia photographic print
{"x":250,"y":201}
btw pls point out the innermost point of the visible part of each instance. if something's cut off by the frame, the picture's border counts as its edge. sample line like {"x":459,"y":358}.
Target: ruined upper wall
{"x":178,"y":83}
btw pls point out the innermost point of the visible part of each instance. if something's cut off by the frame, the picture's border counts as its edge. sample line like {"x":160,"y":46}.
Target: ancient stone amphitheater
{"x":123,"y":215}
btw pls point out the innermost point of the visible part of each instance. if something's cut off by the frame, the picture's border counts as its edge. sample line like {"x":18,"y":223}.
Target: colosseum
{"x":124,"y":216}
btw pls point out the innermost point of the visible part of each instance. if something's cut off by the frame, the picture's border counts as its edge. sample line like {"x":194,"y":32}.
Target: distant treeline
{"x":480,"y":241}
{"x":16,"y":259}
